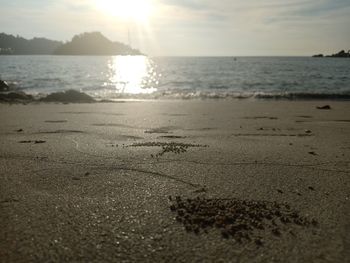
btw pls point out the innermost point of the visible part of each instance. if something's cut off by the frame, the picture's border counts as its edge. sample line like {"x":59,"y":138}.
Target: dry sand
{"x":207,"y":181}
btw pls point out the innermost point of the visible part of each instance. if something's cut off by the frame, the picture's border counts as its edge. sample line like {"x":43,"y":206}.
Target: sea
{"x":141,"y":77}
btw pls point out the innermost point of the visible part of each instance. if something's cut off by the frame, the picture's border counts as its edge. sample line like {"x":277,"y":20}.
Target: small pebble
{"x":276,"y":232}
{"x":259,"y":242}
{"x":225,"y":234}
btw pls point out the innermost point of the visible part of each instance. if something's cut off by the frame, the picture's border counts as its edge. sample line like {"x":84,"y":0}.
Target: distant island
{"x":92,"y":43}
{"x":340,"y":54}
{"x":16,"y":45}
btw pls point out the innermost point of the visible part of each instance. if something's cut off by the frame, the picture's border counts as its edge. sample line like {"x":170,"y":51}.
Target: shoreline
{"x":74,"y":96}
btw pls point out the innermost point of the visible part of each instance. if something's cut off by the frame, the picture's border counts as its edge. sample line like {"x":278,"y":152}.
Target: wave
{"x":219,"y":87}
{"x":72,"y":96}
{"x":187,"y":95}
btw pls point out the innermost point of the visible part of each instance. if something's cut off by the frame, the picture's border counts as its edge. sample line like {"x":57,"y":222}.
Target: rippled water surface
{"x":187,"y":77}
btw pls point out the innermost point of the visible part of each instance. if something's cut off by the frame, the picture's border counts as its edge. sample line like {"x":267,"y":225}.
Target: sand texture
{"x":183,"y":181}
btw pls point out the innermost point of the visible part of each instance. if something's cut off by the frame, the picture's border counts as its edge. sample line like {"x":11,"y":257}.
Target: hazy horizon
{"x":190,"y":28}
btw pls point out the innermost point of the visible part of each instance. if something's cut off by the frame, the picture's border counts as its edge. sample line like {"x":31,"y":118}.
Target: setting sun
{"x":137,"y":10}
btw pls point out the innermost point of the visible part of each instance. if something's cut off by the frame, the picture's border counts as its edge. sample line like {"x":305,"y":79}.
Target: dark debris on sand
{"x":161,"y":130}
{"x":35,"y":141}
{"x":242,"y":220}
{"x":168,"y":147}
{"x":325,"y":107}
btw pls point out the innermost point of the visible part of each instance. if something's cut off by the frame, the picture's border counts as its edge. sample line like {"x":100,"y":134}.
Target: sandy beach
{"x":184,"y":181}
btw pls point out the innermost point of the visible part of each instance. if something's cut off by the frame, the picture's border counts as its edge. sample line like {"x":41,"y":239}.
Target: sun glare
{"x":136,"y":10}
{"x":132,"y":75}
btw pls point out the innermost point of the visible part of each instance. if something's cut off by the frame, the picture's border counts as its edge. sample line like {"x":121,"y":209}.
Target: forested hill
{"x":93,"y":43}
{"x":11,"y":45}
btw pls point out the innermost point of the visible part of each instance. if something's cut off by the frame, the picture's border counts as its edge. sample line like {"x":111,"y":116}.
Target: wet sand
{"x":156,"y":181}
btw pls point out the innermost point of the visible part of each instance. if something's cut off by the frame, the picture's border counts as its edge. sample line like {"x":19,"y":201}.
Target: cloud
{"x":257,"y":9}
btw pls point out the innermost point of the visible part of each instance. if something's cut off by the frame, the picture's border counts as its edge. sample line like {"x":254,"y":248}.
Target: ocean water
{"x":113,"y":77}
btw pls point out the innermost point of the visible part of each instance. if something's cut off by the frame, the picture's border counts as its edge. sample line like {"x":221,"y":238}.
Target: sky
{"x":190,"y":27}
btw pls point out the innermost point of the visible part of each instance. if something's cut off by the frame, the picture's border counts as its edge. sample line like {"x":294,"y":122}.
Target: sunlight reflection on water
{"x":132,"y":75}
{"x":137,"y":77}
